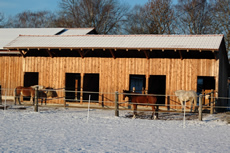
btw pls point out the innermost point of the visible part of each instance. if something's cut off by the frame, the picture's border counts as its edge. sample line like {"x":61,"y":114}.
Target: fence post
{"x":212,"y":102}
{"x":116,"y":104}
{"x":200,"y":107}
{"x":102,"y":100}
{"x":64,"y":98}
{"x":0,"y":95}
{"x":168,"y":102}
{"x":36,"y":100}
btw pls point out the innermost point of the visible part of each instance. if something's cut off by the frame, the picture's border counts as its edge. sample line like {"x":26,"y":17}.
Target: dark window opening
{"x":72,"y":87}
{"x":204,"y":86}
{"x":205,"y":83}
{"x":137,"y":82}
{"x":157,"y":85}
{"x":90,"y":86}
{"x":30,"y":79}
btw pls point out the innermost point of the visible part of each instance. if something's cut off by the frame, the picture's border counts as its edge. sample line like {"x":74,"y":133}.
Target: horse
{"x":141,"y":100}
{"x":50,"y":92}
{"x":42,"y":95}
{"x":28,"y":92}
{"x":185,"y":96}
{"x":23,"y":91}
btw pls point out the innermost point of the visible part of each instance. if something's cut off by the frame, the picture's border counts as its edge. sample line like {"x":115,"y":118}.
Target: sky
{"x":12,"y":7}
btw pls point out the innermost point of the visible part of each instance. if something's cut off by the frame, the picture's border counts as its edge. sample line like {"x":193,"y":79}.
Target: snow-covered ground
{"x":69,"y":130}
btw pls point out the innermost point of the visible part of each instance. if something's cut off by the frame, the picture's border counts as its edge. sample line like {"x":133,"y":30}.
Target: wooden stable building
{"x":159,"y":64}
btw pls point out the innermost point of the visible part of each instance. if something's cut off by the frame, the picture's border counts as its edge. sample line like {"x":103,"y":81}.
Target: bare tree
{"x":137,"y":22}
{"x":28,"y":19}
{"x":194,"y":16}
{"x":221,"y":22}
{"x":1,"y":20}
{"x":156,"y":17}
{"x":105,"y":15}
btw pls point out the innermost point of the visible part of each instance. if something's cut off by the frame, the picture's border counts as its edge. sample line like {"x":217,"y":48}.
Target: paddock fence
{"x":114,"y":101}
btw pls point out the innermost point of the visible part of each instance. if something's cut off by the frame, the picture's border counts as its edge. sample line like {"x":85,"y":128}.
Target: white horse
{"x":185,"y":96}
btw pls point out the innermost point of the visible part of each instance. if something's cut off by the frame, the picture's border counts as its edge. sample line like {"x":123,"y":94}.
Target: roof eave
{"x":115,"y":48}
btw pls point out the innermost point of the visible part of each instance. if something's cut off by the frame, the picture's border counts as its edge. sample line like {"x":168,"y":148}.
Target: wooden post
{"x":203,"y":100}
{"x":212,"y":102}
{"x":143,"y":90}
{"x":200,"y":107}
{"x":36,"y":100}
{"x":0,"y":95}
{"x":81,"y":89}
{"x":15,"y":97}
{"x":102,"y":100}
{"x":168,"y":103}
{"x":134,"y":89}
{"x":116,"y":104}
{"x":65,"y":97}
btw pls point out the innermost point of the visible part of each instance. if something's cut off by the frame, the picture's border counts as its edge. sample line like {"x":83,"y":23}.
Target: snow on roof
{"x":9,"y":34}
{"x":77,"y":31}
{"x":192,"y":42}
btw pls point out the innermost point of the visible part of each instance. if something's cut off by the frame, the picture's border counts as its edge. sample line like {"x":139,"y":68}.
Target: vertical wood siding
{"x":113,"y":73}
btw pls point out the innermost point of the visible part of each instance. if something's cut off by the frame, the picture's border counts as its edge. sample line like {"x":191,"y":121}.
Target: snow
{"x":67,"y":130}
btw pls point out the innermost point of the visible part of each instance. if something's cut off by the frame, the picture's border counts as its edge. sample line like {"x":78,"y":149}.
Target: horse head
{"x":125,"y":93}
{"x":50,"y":92}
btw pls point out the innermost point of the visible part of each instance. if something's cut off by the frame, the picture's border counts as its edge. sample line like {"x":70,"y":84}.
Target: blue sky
{"x":12,"y":7}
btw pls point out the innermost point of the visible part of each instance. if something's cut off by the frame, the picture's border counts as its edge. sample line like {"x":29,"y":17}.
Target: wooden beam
{"x":23,"y":55}
{"x":112,"y":53}
{"x":85,"y":52}
{"x":81,"y":88}
{"x":146,"y":54}
{"x":50,"y":54}
{"x":81,"y":54}
{"x":215,"y":55}
{"x":181,"y":57}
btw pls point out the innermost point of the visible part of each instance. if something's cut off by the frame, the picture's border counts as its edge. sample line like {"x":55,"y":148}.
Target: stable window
{"x":157,"y":85}
{"x":205,"y":84}
{"x":91,"y":87}
{"x":72,"y":86}
{"x":30,"y":79}
{"x":137,"y":83}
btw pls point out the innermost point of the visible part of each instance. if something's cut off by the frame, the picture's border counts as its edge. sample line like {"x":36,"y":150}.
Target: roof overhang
{"x":113,"y":43}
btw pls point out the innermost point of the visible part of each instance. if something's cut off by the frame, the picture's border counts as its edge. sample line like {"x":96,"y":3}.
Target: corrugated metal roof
{"x":192,"y":42}
{"x":77,"y":31}
{"x":9,"y":34}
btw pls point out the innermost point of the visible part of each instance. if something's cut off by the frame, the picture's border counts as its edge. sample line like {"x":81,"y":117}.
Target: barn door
{"x":204,"y":85}
{"x":30,"y":79}
{"x":91,"y":87}
{"x":137,"y":82}
{"x":157,"y":85}
{"x":72,"y":87}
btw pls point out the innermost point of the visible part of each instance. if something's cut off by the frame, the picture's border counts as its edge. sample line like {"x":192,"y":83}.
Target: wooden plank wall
{"x":11,"y":74}
{"x":114,"y":73}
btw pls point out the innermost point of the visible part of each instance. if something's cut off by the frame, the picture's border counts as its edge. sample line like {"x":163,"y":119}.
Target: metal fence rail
{"x":114,"y":102}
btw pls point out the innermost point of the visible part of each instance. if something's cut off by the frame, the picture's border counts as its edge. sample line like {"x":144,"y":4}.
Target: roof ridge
{"x":147,"y":35}
{"x":81,"y":28}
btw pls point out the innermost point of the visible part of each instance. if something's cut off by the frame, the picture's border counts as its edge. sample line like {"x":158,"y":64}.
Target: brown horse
{"x":141,"y":100}
{"x":28,"y":92}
